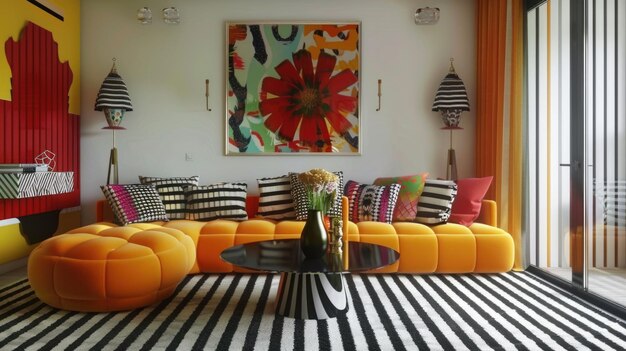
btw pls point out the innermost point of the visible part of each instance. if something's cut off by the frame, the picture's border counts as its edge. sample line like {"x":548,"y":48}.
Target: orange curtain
{"x":499,"y":94}
{"x":491,"y":49}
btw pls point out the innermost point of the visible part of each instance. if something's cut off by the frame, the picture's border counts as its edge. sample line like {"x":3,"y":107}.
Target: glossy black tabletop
{"x":286,"y":256}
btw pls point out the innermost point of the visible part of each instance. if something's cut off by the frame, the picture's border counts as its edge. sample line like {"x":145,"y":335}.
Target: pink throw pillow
{"x":466,"y":206}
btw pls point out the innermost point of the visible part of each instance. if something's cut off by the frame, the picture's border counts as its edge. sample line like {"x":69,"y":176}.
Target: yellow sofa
{"x":125,"y":267}
{"x":447,"y":248}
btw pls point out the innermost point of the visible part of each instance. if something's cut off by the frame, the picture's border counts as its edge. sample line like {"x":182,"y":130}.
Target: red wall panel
{"x":37,"y":118}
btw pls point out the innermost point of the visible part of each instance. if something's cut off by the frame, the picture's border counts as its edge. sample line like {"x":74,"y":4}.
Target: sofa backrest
{"x":105,"y":214}
{"x":488,"y":211}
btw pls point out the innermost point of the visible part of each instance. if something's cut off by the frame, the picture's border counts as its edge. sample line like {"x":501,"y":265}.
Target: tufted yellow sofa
{"x":447,"y":248}
{"x":125,"y":267}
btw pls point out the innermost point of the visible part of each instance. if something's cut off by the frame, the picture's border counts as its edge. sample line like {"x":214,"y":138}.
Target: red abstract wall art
{"x":37,"y":118}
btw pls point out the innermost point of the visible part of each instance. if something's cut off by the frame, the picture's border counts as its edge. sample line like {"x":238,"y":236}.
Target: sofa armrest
{"x":104,"y":213}
{"x":488,"y":213}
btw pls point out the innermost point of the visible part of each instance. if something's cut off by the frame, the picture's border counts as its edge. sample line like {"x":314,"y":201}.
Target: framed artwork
{"x":293,"y":88}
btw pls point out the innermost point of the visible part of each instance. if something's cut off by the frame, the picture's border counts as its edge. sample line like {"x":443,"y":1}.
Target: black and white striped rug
{"x":388,"y":312}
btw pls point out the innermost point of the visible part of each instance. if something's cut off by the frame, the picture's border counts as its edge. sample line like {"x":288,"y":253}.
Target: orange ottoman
{"x":110,"y":268}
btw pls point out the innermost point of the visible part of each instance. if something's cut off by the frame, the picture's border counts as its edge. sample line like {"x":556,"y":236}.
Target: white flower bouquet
{"x":321,"y":187}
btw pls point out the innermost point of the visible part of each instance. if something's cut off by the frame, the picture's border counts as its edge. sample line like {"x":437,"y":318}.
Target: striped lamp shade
{"x":451,"y":94}
{"x":113,"y":93}
{"x":451,"y":99}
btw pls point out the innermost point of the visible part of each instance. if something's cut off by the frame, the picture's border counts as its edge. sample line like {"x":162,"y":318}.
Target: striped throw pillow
{"x":134,"y":203}
{"x":435,"y":203}
{"x":224,"y":200}
{"x":301,"y":200}
{"x":275,"y":201}
{"x":172,"y":193}
{"x":371,"y":202}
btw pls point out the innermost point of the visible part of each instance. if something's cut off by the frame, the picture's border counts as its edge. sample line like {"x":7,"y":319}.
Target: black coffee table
{"x":309,"y":288}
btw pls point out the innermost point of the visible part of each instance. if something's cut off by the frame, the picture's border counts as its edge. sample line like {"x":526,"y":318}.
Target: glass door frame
{"x":578,"y":193}
{"x":578,"y":167}
{"x":577,"y":150}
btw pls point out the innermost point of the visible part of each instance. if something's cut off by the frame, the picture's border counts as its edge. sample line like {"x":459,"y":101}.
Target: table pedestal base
{"x":311,"y":295}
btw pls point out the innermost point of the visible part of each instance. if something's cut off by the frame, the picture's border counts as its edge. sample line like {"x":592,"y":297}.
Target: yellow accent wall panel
{"x":13,"y":246}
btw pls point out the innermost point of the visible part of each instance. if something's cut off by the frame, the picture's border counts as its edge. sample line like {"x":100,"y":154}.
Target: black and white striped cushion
{"x":275,"y":201}
{"x":171,"y":192}
{"x":301,"y":200}
{"x":435,"y":203}
{"x":224,"y":200}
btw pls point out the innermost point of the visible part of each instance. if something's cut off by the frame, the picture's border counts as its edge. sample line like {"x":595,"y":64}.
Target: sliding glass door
{"x":548,"y":82}
{"x":576,"y":93}
{"x":606,"y":148}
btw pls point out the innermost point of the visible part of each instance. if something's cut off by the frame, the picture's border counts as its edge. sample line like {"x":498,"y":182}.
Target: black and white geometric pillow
{"x":371,"y":202}
{"x":171,"y":192}
{"x":224,"y":200}
{"x":275,"y":201}
{"x":301,"y":200}
{"x":435,"y":204}
{"x":135,"y":203}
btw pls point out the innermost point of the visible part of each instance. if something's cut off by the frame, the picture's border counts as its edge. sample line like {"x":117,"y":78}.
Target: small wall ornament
{"x":47,"y":158}
{"x":427,"y":15}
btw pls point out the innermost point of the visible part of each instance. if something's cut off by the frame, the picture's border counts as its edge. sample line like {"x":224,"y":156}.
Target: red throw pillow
{"x":466,"y":206}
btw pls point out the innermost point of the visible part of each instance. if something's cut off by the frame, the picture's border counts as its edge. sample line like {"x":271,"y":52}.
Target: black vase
{"x":313,"y":240}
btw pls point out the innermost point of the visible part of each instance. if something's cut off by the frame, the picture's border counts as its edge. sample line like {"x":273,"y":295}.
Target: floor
{"x":606,"y":282}
{"x":12,"y":276}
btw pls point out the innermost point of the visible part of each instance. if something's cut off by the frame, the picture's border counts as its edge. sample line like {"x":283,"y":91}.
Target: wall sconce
{"x":171,"y":15}
{"x":427,"y":15}
{"x":144,"y":15}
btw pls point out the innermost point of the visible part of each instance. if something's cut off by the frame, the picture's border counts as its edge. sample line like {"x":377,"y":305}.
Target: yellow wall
{"x":13,"y":16}
{"x":13,"y":246}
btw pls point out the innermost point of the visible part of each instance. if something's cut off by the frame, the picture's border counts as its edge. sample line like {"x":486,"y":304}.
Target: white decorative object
{"x":171,"y":15}
{"x":144,"y":15}
{"x":427,"y":15}
{"x":47,"y":158}
{"x":336,"y":236}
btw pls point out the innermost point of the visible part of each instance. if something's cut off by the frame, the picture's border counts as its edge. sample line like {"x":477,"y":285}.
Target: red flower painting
{"x":303,"y":101}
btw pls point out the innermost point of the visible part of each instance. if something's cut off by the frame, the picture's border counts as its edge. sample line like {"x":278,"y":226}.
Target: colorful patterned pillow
{"x":371,"y":202}
{"x":135,"y":203}
{"x":224,"y":200}
{"x":301,"y":201}
{"x":275,"y":201}
{"x":435,"y":203}
{"x":410,"y":191}
{"x":171,"y":192}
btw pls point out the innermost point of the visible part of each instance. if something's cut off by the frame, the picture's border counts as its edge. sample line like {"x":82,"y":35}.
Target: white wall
{"x":164,"y":67}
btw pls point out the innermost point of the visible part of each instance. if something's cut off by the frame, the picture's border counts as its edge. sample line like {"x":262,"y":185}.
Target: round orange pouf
{"x":110,"y":268}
